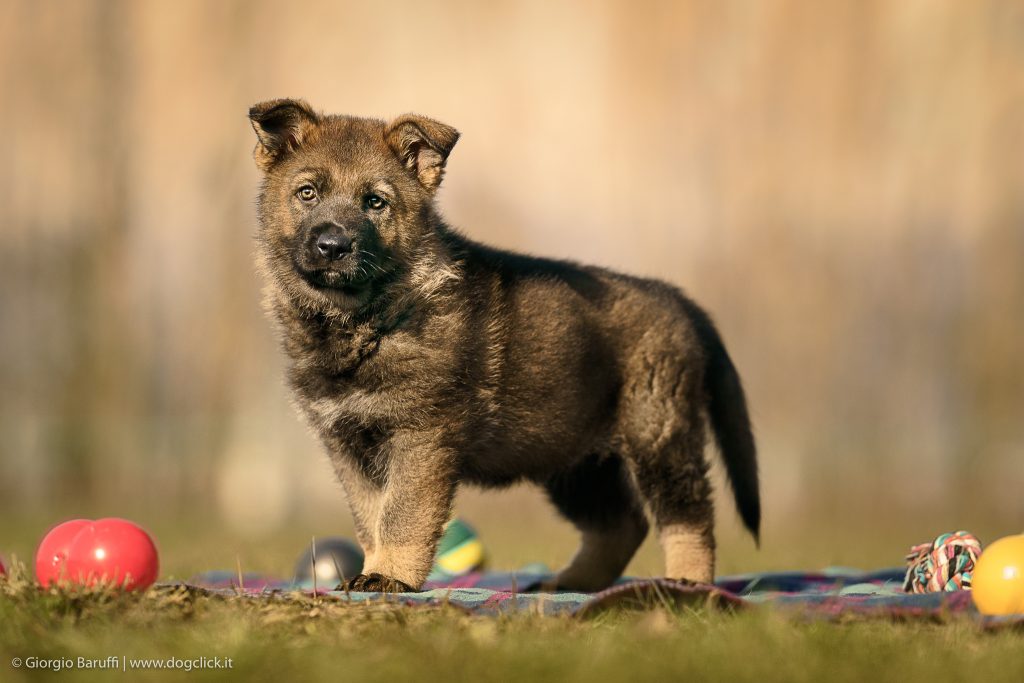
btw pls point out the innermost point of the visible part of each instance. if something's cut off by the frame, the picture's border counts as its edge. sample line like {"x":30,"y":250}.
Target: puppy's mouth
{"x":356,"y":274}
{"x":347,"y":279}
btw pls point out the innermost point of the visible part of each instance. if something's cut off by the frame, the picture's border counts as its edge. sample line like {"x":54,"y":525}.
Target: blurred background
{"x":839,"y":183}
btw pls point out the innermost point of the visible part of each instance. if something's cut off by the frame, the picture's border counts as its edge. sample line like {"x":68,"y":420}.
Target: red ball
{"x":3,"y":569}
{"x":52,"y":554}
{"x":107,"y":551}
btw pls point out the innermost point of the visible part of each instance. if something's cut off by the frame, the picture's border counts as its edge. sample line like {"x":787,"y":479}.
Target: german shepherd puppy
{"x":423,"y":359}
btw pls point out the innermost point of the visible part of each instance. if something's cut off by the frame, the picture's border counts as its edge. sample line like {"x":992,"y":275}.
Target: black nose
{"x":333,"y":245}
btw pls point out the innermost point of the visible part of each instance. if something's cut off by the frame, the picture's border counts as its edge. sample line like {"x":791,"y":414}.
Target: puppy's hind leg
{"x":674,"y":482}
{"x":598,"y":497}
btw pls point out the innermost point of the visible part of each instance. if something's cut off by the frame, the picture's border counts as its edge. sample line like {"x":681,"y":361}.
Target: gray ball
{"x":337,"y":559}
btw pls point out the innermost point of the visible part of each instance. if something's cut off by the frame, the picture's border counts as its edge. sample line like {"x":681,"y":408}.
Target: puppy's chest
{"x":399,"y":382}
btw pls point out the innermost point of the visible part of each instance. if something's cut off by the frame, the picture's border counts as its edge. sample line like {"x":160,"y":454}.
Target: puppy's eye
{"x":306,"y":193}
{"x":375,"y":202}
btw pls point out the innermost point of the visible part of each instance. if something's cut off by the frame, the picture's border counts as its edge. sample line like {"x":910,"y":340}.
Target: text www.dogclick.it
{"x":122,"y":663}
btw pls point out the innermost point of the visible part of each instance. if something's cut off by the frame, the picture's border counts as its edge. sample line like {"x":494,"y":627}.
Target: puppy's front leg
{"x":415,"y":504}
{"x":364,"y":500}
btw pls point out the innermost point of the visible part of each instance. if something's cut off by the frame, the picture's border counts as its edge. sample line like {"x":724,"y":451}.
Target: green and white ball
{"x":459,"y":551}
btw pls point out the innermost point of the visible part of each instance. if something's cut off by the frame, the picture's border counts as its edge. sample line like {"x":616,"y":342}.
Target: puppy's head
{"x":346,"y":202}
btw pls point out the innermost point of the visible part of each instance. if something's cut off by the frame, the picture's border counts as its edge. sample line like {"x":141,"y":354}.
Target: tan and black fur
{"x":423,"y":359}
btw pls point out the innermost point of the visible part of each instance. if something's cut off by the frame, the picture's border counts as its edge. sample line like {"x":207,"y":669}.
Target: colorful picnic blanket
{"x":833,"y":593}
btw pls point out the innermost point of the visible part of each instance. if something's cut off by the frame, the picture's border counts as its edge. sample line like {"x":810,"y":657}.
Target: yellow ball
{"x":997,"y":583}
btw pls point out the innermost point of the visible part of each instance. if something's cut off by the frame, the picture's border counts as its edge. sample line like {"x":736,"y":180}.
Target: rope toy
{"x":945,"y":564}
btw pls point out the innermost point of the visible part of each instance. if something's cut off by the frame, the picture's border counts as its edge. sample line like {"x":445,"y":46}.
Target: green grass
{"x":300,"y":638}
{"x":305,"y":639}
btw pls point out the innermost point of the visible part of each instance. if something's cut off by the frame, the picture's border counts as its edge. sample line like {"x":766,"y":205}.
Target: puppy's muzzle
{"x":331,"y":242}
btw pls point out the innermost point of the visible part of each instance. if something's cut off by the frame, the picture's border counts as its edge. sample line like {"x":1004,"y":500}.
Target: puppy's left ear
{"x":423,"y":146}
{"x":280,"y":127}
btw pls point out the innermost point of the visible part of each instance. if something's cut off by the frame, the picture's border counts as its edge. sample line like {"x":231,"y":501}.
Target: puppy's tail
{"x":727,"y":409}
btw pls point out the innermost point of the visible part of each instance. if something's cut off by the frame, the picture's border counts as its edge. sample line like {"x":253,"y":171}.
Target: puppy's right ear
{"x":423,"y":146}
{"x":281,"y":126}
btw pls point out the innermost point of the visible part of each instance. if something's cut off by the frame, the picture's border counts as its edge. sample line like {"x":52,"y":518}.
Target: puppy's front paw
{"x":687,"y":582}
{"x":374,"y":583}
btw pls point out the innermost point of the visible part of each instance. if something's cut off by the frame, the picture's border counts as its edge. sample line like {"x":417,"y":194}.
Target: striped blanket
{"x":832,"y":594}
